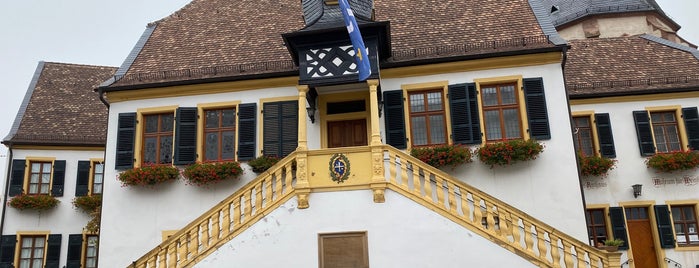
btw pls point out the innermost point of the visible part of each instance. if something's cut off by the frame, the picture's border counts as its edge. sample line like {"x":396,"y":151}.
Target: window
{"x":91,"y":251}
{"x":592,"y":134}
{"x":427,"y":118}
{"x":219,"y":133}
{"x":665,"y":131}
{"x":97,"y":177}
{"x":596,"y":226}
{"x":343,"y":250}
{"x":39,"y":178}
{"x":158,"y":138}
{"x":501,"y":112}
{"x":31,"y":252}
{"x":685,"y":221}
{"x":582,"y":131}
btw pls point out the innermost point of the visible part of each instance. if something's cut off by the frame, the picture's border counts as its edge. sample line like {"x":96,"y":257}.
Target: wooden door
{"x":347,"y":133}
{"x":641,"y":237}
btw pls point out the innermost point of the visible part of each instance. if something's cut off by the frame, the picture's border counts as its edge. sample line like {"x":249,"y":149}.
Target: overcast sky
{"x":103,"y":33}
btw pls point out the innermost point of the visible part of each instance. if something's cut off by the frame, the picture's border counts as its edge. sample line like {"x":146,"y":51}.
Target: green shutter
{"x":465,"y":121}
{"x":604,"y":134}
{"x":53,"y":251}
{"x":394,"y":119}
{"x":247,"y":123}
{"x":59,"y":177}
{"x":537,"y":113}
{"x":644,"y":133}
{"x":126,"y":134}
{"x":289,"y":127}
{"x":17,"y":179}
{"x":616,"y":217}
{"x":7,"y":250}
{"x":185,"y":136}
{"x":662,"y":218}
{"x":280,"y":132}
{"x":83,"y":178}
{"x":75,"y":248}
{"x":691,"y":123}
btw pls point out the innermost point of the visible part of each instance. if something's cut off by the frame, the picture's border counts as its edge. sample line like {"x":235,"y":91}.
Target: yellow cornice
{"x":631,"y":98}
{"x":200,"y":89}
{"x":57,"y":148}
{"x":473,"y":65}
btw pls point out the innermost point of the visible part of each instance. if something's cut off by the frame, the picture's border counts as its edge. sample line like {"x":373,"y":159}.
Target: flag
{"x":360,"y":52}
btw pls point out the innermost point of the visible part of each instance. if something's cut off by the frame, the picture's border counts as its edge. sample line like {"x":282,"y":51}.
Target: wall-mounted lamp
{"x":311,"y":113}
{"x":636,"y":190}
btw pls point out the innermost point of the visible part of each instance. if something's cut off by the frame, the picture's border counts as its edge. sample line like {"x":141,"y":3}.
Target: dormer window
{"x":554,"y":9}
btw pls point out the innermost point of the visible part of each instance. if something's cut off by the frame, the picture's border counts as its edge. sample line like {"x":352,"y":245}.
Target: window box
{"x":673,"y":161}
{"x":262,"y":163}
{"x":443,"y":155}
{"x":205,"y":173}
{"x":508,"y":152}
{"x":148,"y":175}
{"x":88,"y":203}
{"x":33,"y":202}
{"x":595,"y":165}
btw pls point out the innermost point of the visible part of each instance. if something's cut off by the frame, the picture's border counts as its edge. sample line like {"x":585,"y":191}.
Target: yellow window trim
{"x":323,"y":101}
{"x":261,"y":121}
{"x":201,"y":107}
{"x":139,"y":128}
{"x":607,"y":221}
{"x":59,"y":148}
{"x":28,"y":171}
{"x":694,"y":203}
{"x":83,"y":249}
{"x":408,"y":88}
{"x":593,"y":126}
{"x":18,"y":247}
{"x":682,"y":131}
{"x":91,"y":181}
{"x":520,"y":94}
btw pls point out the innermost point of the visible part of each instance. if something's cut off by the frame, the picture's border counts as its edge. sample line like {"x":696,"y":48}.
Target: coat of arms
{"x":339,"y":168}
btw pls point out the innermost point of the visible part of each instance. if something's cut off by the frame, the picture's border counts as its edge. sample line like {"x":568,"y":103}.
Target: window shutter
{"x":394,"y":119}
{"x":616,"y":216}
{"x":644,"y":133}
{"x":126,"y":133}
{"x":537,"y":113}
{"x":691,"y":123}
{"x":289,"y":127}
{"x":17,"y":180}
{"x":465,"y":121}
{"x":604,"y":133}
{"x":53,"y":251}
{"x":83,"y":178}
{"x":185,"y":136}
{"x":75,"y":248}
{"x":59,"y":177}
{"x":247,"y":124}
{"x":662,"y":218}
{"x":7,"y":250}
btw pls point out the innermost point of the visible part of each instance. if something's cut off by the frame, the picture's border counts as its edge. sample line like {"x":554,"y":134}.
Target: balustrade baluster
{"x":237,"y":213}
{"x":567,"y":254}
{"x":490,"y":218}
{"x":248,"y":206}
{"x":193,"y":243}
{"x":541,"y":243}
{"x":183,"y":247}
{"x":258,"y":198}
{"x":172,"y":254}
{"x":392,"y":162}
{"x":226,"y":224}
{"x":528,"y":239}
{"x":478,"y":213}
{"x":277,"y":185}
{"x":451,"y":193}
{"x":426,"y":176}
{"x":517,"y":232}
{"x":417,"y":186}
{"x":162,"y":258}
{"x":204,"y":239}
{"x":555,"y":251}
{"x":465,"y":205}
{"x":151,"y":261}
{"x":268,"y":191}
{"x":215,"y":227}
{"x":581,"y":257}
{"x":439,"y":188}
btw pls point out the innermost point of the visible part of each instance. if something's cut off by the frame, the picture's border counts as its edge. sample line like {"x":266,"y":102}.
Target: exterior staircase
{"x":382,"y":167}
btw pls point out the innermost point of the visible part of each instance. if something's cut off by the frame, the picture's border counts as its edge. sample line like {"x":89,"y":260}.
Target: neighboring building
{"x":56,"y":150}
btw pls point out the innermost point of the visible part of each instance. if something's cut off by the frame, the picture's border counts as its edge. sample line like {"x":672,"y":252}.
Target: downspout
{"x":7,"y":188}
{"x":100,"y":90}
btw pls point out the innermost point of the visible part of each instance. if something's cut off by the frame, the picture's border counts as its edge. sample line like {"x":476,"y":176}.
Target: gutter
{"x":7,"y":188}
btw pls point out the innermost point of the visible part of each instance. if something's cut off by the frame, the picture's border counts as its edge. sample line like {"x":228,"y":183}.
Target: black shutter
{"x":53,"y":251}
{"x":662,"y":218}
{"x":126,"y":133}
{"x":465,"y":121}
{"x":83,"y":178}
{"x":289,"y":126}
{"x":271,"y":132}
{"x":247,"y":124}
{"x":185,"y":136}
{"x":7,"y":250}
{"x":691,"y":123}
{"x":604,"y":133}
{"x":537,"y":113}
{"x":75,"y":249}
{"x":394,"y":119}
{"x":644,"y":133}
{"x":17,"y":179}
{"x":59,"y":177}
{"x":616,"y":216}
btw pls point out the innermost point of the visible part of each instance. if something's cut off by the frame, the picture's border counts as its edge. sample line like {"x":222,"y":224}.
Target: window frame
{"x":18,"y":248}
{"x":139,"y":141}
{"x":605,"y":215}
{"x":426,"y":114}
{"x":201,"y":127}
{"x":443,"y":87}
{"x":28,"y":172}
{"x":593,"y":126}
{"x":692,"y":203}
{"x":364,"y":235}
{"x":324,"y":100}
{"x":517,"y":80}
{"x":85,"y":246}
{"x":91,"y":182}
{"x":681,"y":130}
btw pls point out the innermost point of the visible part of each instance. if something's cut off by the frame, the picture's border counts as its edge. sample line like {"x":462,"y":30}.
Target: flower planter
{"x":595,"y":165}
{"x":509,"y":152}
{"x":443,"y":155}
{"x":673,"y":161}
{"x":262,"y":163}
{"x":148,"y":175}
{"x":33,"y":202}
{"x":207,"y":173}
{"x":88,"y":203}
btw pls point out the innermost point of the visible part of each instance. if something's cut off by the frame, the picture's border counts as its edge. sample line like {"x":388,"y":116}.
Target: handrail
{"x":673,"y":262}
{"x":224,"y":221}
{"x":494,"y":219}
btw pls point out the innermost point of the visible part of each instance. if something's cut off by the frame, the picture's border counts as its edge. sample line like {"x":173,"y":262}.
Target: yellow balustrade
{"x":465,"y":205}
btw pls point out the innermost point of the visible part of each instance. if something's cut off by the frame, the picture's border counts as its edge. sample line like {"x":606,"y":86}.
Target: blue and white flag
{"x":361,"y":54}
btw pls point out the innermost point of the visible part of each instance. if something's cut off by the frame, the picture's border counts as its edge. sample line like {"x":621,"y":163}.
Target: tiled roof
{"x":570,"y":10}
{"x":222,"y":38}
{"x":61,"y":107}
{"x":629,"y":65}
